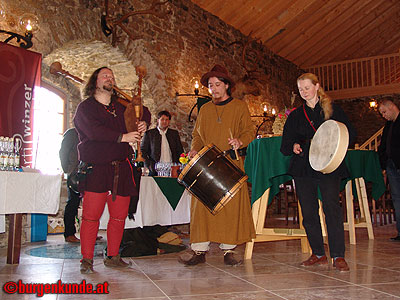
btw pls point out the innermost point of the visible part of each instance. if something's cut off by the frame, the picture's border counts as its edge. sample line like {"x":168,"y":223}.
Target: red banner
{"x":20,"y":72}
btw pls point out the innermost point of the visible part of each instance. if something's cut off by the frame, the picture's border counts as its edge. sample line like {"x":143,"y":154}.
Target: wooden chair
{"x":383,"y":207}
{"x":291,"y":201}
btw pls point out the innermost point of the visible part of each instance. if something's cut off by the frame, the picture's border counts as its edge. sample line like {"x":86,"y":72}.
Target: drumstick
{"x":236,"y":152}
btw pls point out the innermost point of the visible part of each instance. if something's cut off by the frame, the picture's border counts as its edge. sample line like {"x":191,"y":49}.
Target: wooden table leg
{"x":259,"y":211}
{"x":305,"y":246}
{"x":363,"y":198}
{"x":14,"y":238}
{"x":350,"y":213}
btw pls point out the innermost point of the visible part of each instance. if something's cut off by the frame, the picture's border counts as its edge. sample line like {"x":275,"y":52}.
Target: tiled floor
{"x":273,"y":273}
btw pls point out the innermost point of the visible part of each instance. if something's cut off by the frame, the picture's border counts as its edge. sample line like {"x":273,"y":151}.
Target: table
{"x":267,"y":168}
{"x":26,"y":192}
{"x":162,"y":201}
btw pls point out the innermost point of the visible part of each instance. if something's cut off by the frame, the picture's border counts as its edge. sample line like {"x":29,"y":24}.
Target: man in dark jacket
{"x":69,"y":162}
{"x":389,"y":154}
{"x":161,"y":143}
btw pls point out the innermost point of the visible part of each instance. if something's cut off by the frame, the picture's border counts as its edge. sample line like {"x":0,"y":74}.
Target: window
{"x":48,"y":128}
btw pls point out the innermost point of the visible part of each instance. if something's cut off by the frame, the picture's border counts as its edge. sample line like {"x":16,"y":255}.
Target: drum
{"x":329,"y":146}
{"x":212,"y":178}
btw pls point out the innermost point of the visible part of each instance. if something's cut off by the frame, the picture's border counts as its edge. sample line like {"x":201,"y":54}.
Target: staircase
{"x":373,"y":142}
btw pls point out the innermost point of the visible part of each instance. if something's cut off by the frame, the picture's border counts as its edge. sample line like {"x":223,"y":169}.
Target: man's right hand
{"x":131,"y":137}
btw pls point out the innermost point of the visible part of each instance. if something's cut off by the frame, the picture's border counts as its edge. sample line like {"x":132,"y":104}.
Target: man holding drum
{"x":389,"y":154}
{"x":226,"y":123}
{"x":299,"y":129}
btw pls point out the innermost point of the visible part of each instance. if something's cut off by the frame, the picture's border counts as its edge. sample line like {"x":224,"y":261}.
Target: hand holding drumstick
{"x":235,"y":143}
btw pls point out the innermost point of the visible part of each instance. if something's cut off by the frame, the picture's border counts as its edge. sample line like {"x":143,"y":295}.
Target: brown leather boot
{"x":314,"y":260}
{"x":196,"y":258}
{"x":340,"y":264}
{"x":230,"y":260}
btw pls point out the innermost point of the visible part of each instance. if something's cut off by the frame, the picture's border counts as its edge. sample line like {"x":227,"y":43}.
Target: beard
{"x":108,"y":87}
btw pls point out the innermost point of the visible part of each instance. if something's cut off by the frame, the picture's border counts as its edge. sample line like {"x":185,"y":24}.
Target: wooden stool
{"x":259,"y":211}
{"x":365,"y":219}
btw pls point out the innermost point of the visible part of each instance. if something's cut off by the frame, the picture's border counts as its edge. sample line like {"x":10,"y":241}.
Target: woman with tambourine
{"x":298,"y":132}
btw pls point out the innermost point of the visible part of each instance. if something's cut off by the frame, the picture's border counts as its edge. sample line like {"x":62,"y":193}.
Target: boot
{"x":230,"y":260}
{"x":197,"y":257}
{"x":86,"y":266}
{"x":116,"y":262}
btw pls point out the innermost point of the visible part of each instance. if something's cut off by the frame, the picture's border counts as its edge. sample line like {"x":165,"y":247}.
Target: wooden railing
{"x":360,"y":77}
{"x":373,"y":142}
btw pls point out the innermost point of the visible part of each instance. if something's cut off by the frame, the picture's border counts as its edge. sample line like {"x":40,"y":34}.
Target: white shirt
{"x":166,"y":155}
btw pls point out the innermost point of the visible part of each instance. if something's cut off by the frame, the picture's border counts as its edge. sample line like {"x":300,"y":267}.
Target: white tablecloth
{"x":27,"y":192}
{"x":153,"y":208}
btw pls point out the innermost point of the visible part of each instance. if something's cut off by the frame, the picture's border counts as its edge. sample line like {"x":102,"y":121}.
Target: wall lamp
{"x":27,"y":23}
{"x":201,"y":99}
{"x":269,"y":114}
{"x":373,"y":104}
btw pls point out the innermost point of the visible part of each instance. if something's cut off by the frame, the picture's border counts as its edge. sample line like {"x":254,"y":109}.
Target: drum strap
{"x":308,"y":119}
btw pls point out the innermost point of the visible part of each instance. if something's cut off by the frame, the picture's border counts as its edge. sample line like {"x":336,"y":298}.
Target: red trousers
{"x":92,"y":209}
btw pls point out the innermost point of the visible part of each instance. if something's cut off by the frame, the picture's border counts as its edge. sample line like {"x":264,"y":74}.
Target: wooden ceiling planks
{"x":330,"y":32}
{"x":345,"y":46}
{"x":278,"y":25}
{"x":295,"y":28}
{"x":309,"y":32}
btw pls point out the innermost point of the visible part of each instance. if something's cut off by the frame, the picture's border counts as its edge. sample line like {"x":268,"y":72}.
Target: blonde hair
{"x":326,"y":101}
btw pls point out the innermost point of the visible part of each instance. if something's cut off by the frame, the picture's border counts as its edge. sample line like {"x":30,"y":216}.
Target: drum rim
{"x":194,"y":161}
{"x":228,"y":195}
{"x":340,"y":151}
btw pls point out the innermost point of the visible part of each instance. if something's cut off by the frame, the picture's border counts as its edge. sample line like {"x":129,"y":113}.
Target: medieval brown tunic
{"x":234,"y":223}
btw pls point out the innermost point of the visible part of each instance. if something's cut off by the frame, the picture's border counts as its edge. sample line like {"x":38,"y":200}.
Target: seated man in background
{"x":161,"y":144}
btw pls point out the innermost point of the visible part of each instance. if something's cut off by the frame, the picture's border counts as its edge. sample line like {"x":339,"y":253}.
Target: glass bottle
{"x":2,"y":154}
{"x":5,"y":154}
{"x":11,"y":154}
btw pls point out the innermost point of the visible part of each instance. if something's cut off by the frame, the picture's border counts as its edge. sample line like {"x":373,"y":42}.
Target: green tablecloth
{"x":267,"y":168}
{"x":171,"y":189}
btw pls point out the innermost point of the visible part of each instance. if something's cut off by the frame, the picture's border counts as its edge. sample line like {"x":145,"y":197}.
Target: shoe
{"x":230,"y":260}
{"x":72,"y":239}
{"x":86,"y":266}
{"x":116,"y":262}
{"x":340,"y":264}
{"x":397,"y":238}
{"x":314,"y":260}
{"x":198,"y":257}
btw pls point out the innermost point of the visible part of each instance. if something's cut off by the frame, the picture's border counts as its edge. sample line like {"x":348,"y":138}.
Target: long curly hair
{"x":326,"y":101}
{"x":91,"y":85}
